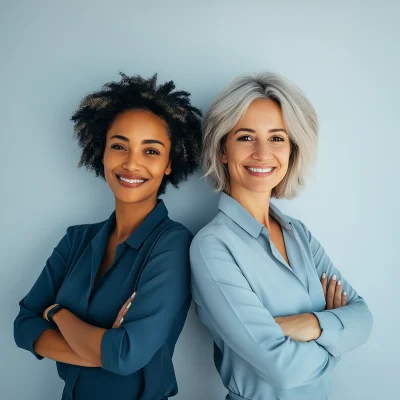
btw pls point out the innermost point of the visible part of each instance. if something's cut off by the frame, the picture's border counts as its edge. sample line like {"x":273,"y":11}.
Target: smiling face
{"x":136,"y":156}
{"x":257,"y":149}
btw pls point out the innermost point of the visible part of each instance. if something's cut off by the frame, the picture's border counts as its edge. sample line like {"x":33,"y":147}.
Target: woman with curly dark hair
{"x":138,"y":136}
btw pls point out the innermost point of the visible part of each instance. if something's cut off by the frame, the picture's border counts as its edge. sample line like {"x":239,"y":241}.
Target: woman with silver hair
{"x":280,"y":314}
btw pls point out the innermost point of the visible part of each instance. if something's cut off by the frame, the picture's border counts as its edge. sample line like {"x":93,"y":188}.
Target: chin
{"x":131,"y":197}
{"x":259,"y":189}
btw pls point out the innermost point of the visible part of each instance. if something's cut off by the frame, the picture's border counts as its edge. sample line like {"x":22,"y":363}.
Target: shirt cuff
{"x":35,"y":330}
{"x":111,"y":343}
{"x":331,"y":327}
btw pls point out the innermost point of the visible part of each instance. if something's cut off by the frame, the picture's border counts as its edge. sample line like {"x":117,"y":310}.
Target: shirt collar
{"x":237,"y":213}
{"x":136,"y":239}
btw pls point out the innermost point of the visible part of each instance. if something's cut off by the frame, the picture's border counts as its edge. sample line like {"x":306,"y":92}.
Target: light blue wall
{"x":344,"y":54}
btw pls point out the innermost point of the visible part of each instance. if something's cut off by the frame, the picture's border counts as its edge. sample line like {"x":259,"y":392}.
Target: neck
{"x":257,"y":204}
{"x":130,"y":215}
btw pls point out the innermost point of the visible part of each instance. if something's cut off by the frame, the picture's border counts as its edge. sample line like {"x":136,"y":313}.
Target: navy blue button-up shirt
{"x":137,"y":357}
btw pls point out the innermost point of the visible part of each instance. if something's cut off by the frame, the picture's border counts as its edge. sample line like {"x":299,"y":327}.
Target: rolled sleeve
{"x":29,"y":323}
{"x":112,"y":344}
{"x":226,"y":304}
{"x":331,"y":327}
{"x":343,"y":328}
{"x":27,"y":337}
{"x":161,"y":304}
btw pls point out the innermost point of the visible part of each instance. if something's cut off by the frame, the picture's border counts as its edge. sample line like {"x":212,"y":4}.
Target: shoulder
{"x":173,"y":235}
{"x":168,"y":251}
{"x":83,"y":232}
{"x":212,"y":235}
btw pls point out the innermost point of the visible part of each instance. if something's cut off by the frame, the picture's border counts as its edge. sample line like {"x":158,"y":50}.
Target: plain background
{"x":343,"y":54}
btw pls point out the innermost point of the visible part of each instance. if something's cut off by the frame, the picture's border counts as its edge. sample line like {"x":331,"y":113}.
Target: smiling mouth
{"x":127,"y":182}
{"x":260,"y":171}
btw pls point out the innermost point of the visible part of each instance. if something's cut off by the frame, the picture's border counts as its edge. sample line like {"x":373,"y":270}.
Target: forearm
{"x":51,"y":344}
{"x":345,"y":328}
{"x":300,"y":327}
{"x":83,"y":338}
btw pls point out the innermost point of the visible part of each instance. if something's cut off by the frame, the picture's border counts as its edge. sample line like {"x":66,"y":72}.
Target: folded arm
{"x":343,"y":328}
{"x":51,"y":344}
{"x":31,"y":331}
{"x":227,"y":305}
{"x":161,"y":304}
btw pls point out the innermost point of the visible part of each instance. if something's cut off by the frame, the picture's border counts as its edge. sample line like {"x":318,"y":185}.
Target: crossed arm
{"x":127,"y":346}
{"x":275,"y":348}
{"x":306,"y":327}
{"x":76,"y":342}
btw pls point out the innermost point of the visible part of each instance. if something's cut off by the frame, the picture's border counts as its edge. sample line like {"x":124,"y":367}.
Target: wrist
{"x":314,"y":324}
{"x":59,"y":315}
{"x":53,"y":312}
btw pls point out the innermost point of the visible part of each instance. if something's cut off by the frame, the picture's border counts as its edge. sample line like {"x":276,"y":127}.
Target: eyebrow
{"x":146,"y":141}
{"x":253,"y":131}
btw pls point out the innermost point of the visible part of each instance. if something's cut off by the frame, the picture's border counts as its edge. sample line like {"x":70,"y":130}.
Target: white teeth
{"x":262,"y":170}
{"x":131,"y":180}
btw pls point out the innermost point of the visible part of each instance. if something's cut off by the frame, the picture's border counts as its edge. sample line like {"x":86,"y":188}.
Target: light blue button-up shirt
{"x":240,"y":282}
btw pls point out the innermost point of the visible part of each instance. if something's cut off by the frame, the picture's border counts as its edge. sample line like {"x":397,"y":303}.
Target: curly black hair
{"x":98,"y":110}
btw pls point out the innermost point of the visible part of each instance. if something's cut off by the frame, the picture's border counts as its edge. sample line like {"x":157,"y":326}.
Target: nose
{"x":262,"y":151}
{"x":132,"y":161}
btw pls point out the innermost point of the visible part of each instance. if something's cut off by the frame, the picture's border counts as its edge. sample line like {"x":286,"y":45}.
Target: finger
{"x":324,"y":283}
{"x":337,"y":301}
{"x":344,"y":299}
{"x":331,"y":293}
{"x":123,"y":309}
{"x":126,"y":306}
{"x":122,"y":312}
{"x":118,"y":322}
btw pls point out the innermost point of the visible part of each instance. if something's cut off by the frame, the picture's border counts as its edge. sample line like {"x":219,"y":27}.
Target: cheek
{"x":237,"y":154}
{"x":108,"y":161}
{"x":283,"y":156}
{"x":158,"y":165}
{"x":111,"y":162}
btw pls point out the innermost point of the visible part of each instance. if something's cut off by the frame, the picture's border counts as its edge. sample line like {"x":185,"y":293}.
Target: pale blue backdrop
{"x":344,"y":54}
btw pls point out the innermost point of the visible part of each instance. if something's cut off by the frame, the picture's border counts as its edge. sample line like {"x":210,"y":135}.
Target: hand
{"x":123,"y":311}
{"x":47,"y":310}
{"x":333,"y":292}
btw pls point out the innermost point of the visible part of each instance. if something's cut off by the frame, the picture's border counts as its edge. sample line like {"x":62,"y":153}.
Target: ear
{"x":223,"y":157}
{"x":168,"y":169}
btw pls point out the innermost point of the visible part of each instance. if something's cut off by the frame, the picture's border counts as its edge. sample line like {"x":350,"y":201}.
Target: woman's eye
{"x":117,"y":147}
{"x":277,"y":139}
{"x":152,"y":151}
{"x":245,"y":138}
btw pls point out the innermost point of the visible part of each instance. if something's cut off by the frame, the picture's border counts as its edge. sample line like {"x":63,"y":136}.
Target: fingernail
{"x":121,"y":320}
{"x":324,"y":275}
{"x":339,"y":282}
{"x":344,"y":294}
{"x":133,"y":295}
{"x":334,"y":277}
{"x":128,"y":305}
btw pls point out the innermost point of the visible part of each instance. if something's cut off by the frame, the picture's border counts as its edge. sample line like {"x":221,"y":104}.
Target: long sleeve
{"x":161,"y":304}
{"x":227,"y":305}
{"x":29,"y":324}
{"x":343,"y":328}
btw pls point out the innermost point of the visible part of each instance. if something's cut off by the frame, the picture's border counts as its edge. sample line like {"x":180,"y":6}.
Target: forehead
{"x":138,"y":123}
{"x":262,"y":112}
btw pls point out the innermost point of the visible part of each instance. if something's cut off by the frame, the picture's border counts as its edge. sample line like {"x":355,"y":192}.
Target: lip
{"x":127,"y":184}
{"x":260,"y":174}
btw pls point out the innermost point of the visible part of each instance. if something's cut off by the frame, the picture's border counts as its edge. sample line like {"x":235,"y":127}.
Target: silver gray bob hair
{"x":299,"y":117}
